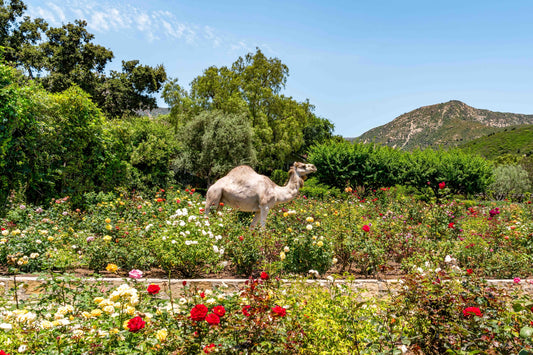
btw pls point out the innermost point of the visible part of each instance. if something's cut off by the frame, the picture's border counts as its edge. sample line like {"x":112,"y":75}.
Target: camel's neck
{"x":290,"y":190}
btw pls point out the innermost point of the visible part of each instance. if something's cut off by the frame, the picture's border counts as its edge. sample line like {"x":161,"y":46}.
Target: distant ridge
{"x":155,"y":112}
{"x":445,"y":125}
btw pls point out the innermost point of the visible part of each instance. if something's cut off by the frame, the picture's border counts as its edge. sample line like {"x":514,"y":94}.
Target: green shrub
{"x":313,"y":188}
{"x":280,"y":177}
{"x":510,"y":180}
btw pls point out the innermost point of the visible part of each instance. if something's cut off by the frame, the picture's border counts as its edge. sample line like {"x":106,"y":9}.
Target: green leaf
{"x":526,"y":332}
{"x":517,"y":307}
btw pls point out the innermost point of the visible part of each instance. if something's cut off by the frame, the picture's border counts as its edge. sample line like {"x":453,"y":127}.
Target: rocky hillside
{"x":447,"y":124}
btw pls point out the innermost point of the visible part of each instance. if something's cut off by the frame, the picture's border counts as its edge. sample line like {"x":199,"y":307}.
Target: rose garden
{"x":441,"y":254}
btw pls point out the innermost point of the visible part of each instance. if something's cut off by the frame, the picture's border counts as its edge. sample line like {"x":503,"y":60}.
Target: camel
{"x":244,"y":189}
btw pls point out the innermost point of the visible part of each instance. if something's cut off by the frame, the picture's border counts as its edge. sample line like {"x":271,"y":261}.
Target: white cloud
{"x":120,"y":16}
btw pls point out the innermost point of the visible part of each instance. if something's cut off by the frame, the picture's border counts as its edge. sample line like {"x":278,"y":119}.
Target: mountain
{"x":517,"y":140}
{"x":155,"y":112}
{"x":446,"y":125}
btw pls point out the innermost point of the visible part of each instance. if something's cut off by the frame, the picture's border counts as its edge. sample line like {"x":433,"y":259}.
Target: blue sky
{"x":361,"y":63}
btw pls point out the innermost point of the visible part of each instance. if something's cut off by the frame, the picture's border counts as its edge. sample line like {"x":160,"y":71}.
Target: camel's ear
{"x":297,"y":164}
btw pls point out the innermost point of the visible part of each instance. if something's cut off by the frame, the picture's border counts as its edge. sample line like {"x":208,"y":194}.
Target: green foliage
{"x":18,"y":133}
{"x":314,"y":189}
{"x":213,"y":143}
{"x":280,"y":177}
{"x":71,"y":146}
{"x":140,"y":151}
{"x":66,"y":56}
{"x":510,"y":180}
{"x":20,"y":36}
{"x":128,"y":91}
{"x":446,"y":315}
{"x":282,"y":127}
{"x":517,"y":141}
{"x":341,"y":164}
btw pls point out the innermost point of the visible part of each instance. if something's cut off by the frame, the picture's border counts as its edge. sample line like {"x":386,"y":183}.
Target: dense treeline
{"x":57,"y":144}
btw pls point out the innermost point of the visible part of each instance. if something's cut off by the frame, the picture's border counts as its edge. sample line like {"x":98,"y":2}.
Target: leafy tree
{"x":282,"y":127}
{"x":71,"y":58}
{"x":508,"y":180}
{"x":141,"y":150}
{"x":18,"y":132}
{"x":71,"y":145}
{"x":65,"y":56}
{"x":130,"y":90}
{"x":213,"y":143}
{"x":20,"y":36}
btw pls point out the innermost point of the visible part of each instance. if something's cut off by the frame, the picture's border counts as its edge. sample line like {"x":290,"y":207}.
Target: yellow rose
{"x":161,"y":335}
{"x":96,"y":313}
{"x":107,"y":220}
{"x":86,"y":315}
{"x":282,"y":255}
{"x":320,"y":243}
{"x":111,"y":268}
{"x":108,"y":227}
{"x":107,"y":238}
{"x":310,"y":219}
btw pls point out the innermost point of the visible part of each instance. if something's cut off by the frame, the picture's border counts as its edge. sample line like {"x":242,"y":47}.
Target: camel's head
{"x":304,"y":169}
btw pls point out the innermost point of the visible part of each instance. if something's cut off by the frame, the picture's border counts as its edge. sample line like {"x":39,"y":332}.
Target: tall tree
{"x":20,"y":36}
{"x":65,"y":56}
{"x":252,"y":86}
{"x":130,"y":90}
{"x":213,"y":143}
{"x":70,"y":58}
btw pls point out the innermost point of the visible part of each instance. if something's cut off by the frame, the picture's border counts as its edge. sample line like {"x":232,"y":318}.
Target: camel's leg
{"x":212,"y":198}
{"x":264,"y":213}
{"x":255,"y":220}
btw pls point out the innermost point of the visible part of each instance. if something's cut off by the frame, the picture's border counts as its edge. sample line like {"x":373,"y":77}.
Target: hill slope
{"x":513,"y":140}
{"x":447,"y":124}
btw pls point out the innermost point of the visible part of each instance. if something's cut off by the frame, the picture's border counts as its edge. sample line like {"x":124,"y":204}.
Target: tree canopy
{"x":282,"y":126}
{"x":59,"y":57}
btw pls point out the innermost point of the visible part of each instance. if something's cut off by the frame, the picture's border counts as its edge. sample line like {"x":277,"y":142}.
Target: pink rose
{"x":135,"y":274}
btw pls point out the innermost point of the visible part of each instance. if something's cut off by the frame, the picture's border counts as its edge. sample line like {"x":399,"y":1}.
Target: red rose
{"x":212,"y":319}
{"x":2,"y":352}
{"x":136,"y":324}
{"x":245,"y":310}
{"x":264,"y":276}
{"x":469,"y":311}
{"x":209,"y":348}
{"x":280,"y":311}
{"x":469,"y":271}
{"x":199,"y":312}
{"x":153,"y":289}
{"x":219,"y":311}
{"x":366,"y":228}
{"x":442,"y":185}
